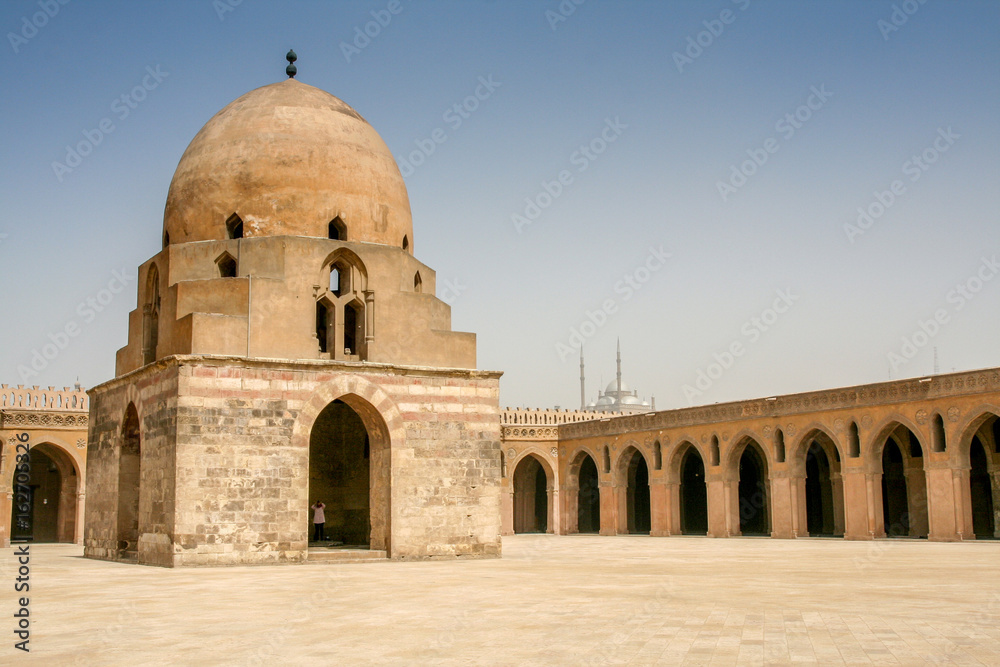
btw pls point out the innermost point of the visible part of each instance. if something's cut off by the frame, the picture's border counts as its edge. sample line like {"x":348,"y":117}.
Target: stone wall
{"x":231,"y":436}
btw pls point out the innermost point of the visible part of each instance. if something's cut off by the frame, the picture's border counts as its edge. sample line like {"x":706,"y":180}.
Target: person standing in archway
{"x":318,"y":520}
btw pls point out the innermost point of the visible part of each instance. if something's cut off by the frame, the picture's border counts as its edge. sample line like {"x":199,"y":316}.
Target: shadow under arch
{"x":584,"y":498}
{"x":748,"y":463}
{"x":817,"y":459}
{"x":688,"y":466}
{"x":533,"y":482}
{"x":55,"y":484}
{"x":383,"y":427}
{"x":897,"y":456}
{"x":632,"y":481}
{"x":978,"y":451}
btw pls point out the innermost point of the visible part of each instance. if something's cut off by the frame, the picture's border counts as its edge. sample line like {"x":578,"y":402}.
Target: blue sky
{"x":715,"y":154}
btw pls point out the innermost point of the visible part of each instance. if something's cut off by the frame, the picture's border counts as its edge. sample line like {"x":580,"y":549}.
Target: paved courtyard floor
{"x":575,"y":600}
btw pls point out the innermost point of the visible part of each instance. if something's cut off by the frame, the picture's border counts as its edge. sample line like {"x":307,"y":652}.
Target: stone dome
{"x":288,"y":159}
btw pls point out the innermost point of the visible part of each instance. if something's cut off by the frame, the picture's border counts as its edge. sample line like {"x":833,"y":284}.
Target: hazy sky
{"x":685,"y":176}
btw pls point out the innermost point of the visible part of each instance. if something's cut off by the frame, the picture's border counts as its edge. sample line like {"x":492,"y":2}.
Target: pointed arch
{"x":584,"y":498}
{"x":234,"y":227}
{"x":533,"y":482}
{"x":151,"y":315}
{"x":384,"y":427}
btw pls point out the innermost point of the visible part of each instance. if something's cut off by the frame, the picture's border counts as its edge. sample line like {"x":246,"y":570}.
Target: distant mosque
{"x":616,"y":397}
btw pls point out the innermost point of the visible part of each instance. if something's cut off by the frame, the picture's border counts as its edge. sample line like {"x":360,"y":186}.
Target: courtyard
{"x":551,"y":600}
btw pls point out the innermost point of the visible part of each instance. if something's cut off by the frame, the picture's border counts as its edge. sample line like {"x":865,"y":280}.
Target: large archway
{"x":531,"y":496}
{"x":822,"y":489}
{"x":129,"y":480}
{"x":904,"y":485}
{"x":54,"y":482}
{"x":981,"y":488}
{"x":693,"y":493}
{"x":637,"y":503}
{"x":348,"y":472}
{"x":588,"y":496}
{"x":754,"y":514}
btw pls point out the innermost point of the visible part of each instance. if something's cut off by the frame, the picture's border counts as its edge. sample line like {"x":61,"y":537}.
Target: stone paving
{"x":574,"y":600}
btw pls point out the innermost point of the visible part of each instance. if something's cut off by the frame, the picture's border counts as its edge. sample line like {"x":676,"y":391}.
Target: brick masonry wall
{"x":241,"y":465}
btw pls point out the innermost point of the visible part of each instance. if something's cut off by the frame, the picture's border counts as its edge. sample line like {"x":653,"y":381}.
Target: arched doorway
{"x":639,"y":517}
{"x":531,"y":496}
{"x":819,"y":492}
{"x":348,"y":473}
{"x":53,"y":486}
{"x":904,"y":486}
{"x":753,"y":498}
{"x":981,"y":487}
{"x":588,"y":503}
{"x":129,"y":480}
{"x":693,"y":494}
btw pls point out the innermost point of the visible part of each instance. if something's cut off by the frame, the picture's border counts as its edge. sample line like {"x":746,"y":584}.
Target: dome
{"x":630,"y":400}
{"x":613,"y":387}
{"x":288,"y":159}
{"x":605,"y":400}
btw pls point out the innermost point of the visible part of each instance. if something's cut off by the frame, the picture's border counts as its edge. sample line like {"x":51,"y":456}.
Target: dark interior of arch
{"x":588,"y":498}
{"x":753,"y":493}
{"x":637,"y":495}
{"x":693,"y":494}
{"x":983,"y":512}
{"x":531,"y":498}
{"x":895,"y":506}
{"x":819,"y":492}
{"x":340,"y":474}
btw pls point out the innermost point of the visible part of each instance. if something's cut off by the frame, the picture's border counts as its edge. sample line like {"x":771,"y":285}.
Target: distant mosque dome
{"x":630,"y":400}
{"x":605,"y":400}
{"x":613,"y":387}
{"x":288,"y":159}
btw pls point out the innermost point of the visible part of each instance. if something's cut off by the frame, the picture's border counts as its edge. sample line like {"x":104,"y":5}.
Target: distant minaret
{"x":583,"y":387}
{"x":619,"y":396}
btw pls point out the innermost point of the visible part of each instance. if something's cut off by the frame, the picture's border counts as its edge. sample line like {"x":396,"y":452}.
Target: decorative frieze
{"x":54,"y":420}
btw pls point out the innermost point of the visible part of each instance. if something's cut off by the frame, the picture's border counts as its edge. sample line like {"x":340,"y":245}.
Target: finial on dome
{"x":291,"y":58}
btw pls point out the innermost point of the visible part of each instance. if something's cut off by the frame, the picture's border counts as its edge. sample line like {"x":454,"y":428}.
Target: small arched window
{"x":607,"y":459}
{"x":418,"y":283}
{"x":227,"y":265}
{"x":406,"y":243}
{"x":657,"y":456}
{"x":854,"y":449}
{"x":779,"y":446}
{"x":335,"y":279}
{"x":715,"y":450}
{"x":234,"y":227}
{"x":337,"y":230}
